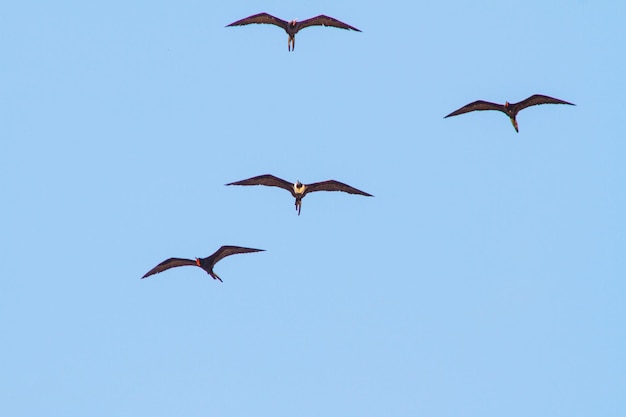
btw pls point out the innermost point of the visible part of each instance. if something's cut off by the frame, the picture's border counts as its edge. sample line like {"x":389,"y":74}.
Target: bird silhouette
{"x":292,"y":27}
{"x":299,"y":190}
{"x":205,"y":263}
{"x":510,"y":109}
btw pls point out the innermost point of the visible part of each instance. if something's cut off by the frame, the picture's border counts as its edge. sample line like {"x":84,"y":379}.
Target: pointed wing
{"x":323,"y":20}
{"x":267,"y":179}
{"x":477,"y":105}
{"x":225,"y":251}
{"x":260,"y":18}
{"x":538,"y":99}
{"x":332,"y":185}
{"x":169,"y":263}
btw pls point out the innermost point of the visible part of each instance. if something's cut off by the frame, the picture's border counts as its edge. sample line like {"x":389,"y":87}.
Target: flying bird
{"x":510,"y":109}
{"x":292,"y":27}
{"x":299,"y":190}
{"x":205,"y":263}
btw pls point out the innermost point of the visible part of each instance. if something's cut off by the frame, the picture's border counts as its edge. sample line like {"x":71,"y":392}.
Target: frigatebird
{"x":299,"y":190}
{"x":292,"y":27}
{"x":205,"y":263}
{"x":510,"y":109}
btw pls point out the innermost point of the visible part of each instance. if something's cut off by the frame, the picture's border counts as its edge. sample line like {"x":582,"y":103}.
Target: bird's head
{"x":298,"y":184}
{"x":198,"y":261}
{"x":293,"y":22}
{"x":506,"y":104}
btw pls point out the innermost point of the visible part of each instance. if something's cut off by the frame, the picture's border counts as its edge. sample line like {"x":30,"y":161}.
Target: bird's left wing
{"x":169,"y":263}
{"x":539,"y":99}
{"x":332,"y":185}
{"x":225,"y":251}
{"x":323,"y":20}
{"x":260,"y":18}
{"x":476,"y":105}
{"x":268,"y":180}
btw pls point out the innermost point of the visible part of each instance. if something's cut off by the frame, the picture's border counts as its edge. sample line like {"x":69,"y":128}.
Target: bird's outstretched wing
{"x":225,"y":251}
{"x":332,"y":185}
{"x":477,"y":105}
{"x":323,"y":20}
{"x":169,"y":263}
{"x":267,"y":179}
{"x":538,"y":99}
{"x":260,"y":18}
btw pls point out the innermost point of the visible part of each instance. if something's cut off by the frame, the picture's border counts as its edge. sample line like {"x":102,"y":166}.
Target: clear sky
{"x":485,"y":278}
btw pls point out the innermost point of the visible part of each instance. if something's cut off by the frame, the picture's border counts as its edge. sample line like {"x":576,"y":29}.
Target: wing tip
{"x":256,"y":250}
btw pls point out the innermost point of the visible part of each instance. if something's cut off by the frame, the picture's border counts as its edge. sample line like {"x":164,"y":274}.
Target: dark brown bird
{"x":510,"y":109}
{"x":205,"y":263}
{"x":299,"y":190}
{"x":292,"y":27}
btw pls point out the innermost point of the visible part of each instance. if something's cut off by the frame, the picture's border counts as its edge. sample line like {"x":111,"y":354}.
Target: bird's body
{"x":205,"y":263}
{"x":299,"y":190}
{"x":292,"y":27}
{"x":510,"y":109}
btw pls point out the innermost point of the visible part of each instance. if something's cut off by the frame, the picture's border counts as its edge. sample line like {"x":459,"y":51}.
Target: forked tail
{"x":298,"y":205}
{"x":214,"y":275}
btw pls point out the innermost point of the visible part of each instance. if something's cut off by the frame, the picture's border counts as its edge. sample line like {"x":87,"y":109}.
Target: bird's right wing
{"x":476,"y":105}
{"x":323,"y":20}
{"x":260,"y":18}
{"x":539,"y":99}
{"x":225,"y":251}
{"x":169,"y":263}
{"x":267,"y":179}
{"x":332,"y":185}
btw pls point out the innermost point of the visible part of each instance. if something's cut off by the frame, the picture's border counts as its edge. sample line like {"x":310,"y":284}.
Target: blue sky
{"x":485,"y":278}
